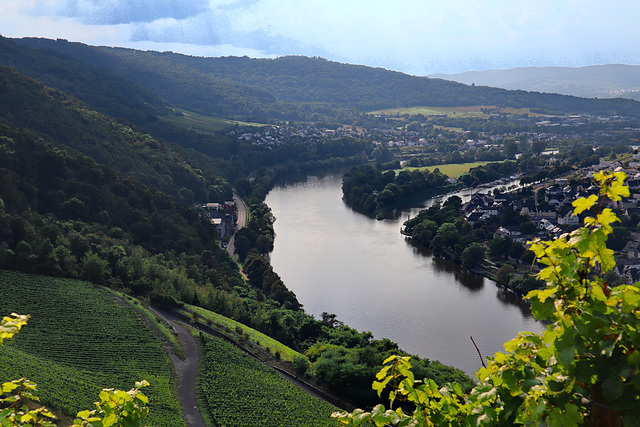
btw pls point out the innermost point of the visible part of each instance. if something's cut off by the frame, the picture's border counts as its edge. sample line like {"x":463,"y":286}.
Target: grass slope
{"x":475,"y":111}
{"x":200,"y":123}
{"x":240,"y":331}
{"x":453,"y":170}
{"x":240,"y":391}
{"x":79,"y":340}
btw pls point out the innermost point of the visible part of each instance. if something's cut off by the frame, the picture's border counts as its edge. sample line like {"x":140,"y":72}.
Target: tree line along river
{"x":339,"y":261}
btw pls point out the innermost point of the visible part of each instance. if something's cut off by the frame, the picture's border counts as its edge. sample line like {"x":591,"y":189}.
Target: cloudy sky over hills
{"x":414,"y":36}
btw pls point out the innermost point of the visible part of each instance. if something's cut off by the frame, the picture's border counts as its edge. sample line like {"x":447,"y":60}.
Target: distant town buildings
{"x":550,"y":210}
{"x":222,"y":215}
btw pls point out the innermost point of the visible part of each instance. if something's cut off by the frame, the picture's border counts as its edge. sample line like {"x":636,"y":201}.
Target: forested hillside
{"x":64,"y":214}
{"x":29,"y":104}
{"x":95,"y":86}
{"x":303,"y":88}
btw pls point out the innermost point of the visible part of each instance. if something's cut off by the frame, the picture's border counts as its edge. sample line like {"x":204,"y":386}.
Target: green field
{"x":79,"y":340}
{"x":453,"y":170}
{"x":460,"y":112}
{"x":239,"y":331}
{"x":204,"y":124}
{"x":241,"y":391}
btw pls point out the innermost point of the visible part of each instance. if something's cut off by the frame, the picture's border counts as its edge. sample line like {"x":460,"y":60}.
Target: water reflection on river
{"x":374,"y":279}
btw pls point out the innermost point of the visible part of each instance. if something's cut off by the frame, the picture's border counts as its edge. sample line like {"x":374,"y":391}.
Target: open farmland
{"x":477,"y":111}
{"x":203,"y":124}
{"x":452,"y":170}
{"x":240,"y":391}
{"x":81,"y":339}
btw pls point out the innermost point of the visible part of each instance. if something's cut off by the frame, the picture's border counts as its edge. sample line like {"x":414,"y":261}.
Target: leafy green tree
{"x":499,"y":246}
{"x":510,"y":148}
{"x":504,"y":273}
{"x":94,"y":268}
{"x":584,"y":369}
{"x":472,"y":256}
{"x":538,"y":146}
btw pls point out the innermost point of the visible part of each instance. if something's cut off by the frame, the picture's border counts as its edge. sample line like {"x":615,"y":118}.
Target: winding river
{"x":363,"y":270}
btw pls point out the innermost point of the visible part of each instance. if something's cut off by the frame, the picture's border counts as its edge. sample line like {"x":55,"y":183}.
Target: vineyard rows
{"x":240,"y":391}
{"x":79,"y":340}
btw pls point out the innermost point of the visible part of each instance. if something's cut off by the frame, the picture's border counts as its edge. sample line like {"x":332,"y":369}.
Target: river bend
{"x":363,"y":270}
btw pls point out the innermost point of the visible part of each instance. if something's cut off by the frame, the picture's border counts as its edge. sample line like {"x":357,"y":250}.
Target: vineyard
{"x":79,"y":340}
{"x":240,"y":391}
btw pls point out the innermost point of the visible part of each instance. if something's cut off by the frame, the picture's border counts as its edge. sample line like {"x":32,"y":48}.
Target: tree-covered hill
{"x":167,"y":76}
{"x":63,"y":214}
{"x":104,"y":91}
{"x":300,"y":87}
{"x":29,"y":104}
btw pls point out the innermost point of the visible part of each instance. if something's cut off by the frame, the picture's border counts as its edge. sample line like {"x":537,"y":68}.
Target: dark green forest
{"x":301,"y":88}
{"x":372,"y":192}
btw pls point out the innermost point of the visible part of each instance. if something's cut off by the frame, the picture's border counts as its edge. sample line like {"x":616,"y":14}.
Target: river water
{"x":369,"y":275}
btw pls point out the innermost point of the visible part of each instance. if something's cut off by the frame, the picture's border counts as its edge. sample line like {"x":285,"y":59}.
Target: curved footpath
{"x":186,"y":371}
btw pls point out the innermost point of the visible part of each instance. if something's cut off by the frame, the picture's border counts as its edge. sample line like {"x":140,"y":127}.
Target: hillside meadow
{"x":452,"y":170}
{"x":474,"y":111}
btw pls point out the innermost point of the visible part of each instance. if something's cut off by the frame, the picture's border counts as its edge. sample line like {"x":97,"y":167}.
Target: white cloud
{"x":113,"y":12}
{"x":64,"y":28}
{"x":417,"y":36}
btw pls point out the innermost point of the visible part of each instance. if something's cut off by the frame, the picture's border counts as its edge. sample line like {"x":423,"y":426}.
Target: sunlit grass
{"x":453,"y":170}
{"x":204,"y":124}
{"x":474,"y":111}
{"x":238,"y":329}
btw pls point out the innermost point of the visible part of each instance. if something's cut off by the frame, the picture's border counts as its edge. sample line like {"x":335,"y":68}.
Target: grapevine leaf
{"x":379,"y":386}
{"x":582,"y":204}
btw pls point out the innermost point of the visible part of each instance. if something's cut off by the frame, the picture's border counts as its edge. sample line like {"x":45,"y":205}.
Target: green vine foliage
{"x":116,"y":408}
{"x":582,"y":370}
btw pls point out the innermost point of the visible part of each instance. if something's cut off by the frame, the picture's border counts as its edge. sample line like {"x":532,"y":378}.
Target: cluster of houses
{"x":223,"y":216}
{"x":277,"y":135}
{"x":551,"y":212}
{"x":271,"y":135}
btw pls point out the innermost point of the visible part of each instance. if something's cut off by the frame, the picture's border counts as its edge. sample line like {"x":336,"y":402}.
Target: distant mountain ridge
{"x":301,"y":88}
{"x":596,"y":81}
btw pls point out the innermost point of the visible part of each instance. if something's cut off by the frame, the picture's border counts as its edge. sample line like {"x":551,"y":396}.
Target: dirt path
{"x":187,"y":371}
{"x":174,"y":318}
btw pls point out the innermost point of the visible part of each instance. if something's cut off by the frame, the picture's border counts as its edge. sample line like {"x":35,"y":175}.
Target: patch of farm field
{"x":79,"y":340}
{"x":474,"y":111}
{"x":240,"y":391}
{"x":200,"y":123}
{"x":461,"y":112}
{"x":453,"y":170}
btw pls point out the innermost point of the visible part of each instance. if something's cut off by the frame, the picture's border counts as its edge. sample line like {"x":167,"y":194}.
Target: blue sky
{"x":418,"y":37}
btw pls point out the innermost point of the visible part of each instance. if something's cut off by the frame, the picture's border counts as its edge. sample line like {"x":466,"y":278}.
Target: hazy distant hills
{"x":296,"y":87}
{"x":597,"y":81}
